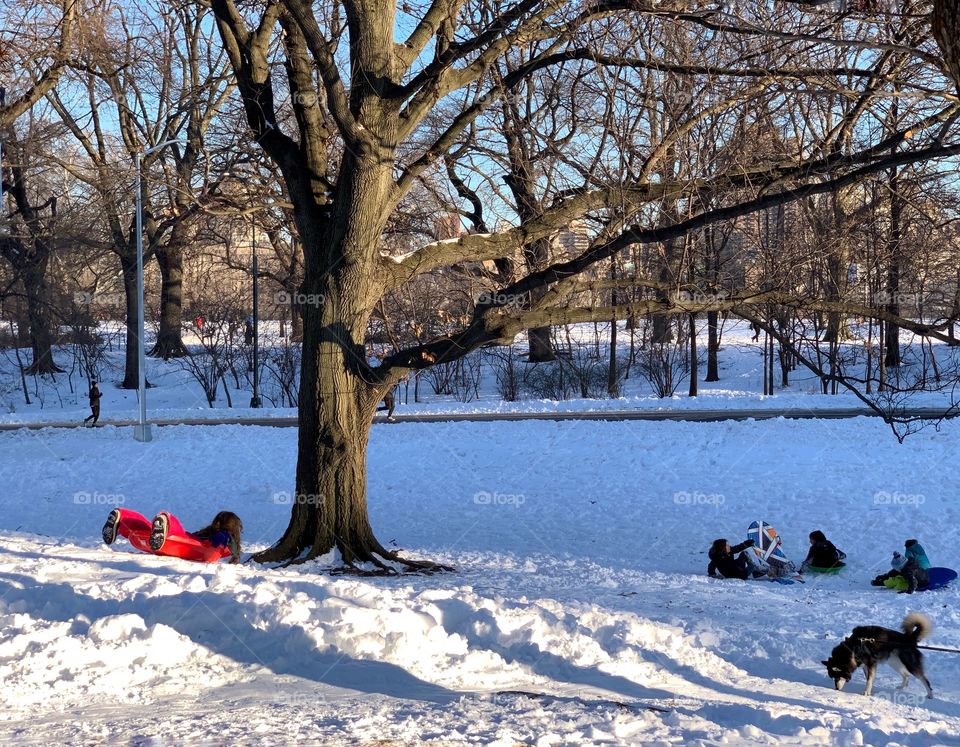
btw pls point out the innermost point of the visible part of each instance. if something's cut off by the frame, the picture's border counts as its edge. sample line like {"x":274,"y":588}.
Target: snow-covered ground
{"x":175,"y":394}
{"x":579,"y":613}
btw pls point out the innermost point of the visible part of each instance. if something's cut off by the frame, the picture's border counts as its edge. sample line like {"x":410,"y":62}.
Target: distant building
{"x":447,"y":227}
{"x":572,"y":240}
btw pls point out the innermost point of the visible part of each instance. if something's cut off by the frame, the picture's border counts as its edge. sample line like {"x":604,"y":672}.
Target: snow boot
{"x":109,"y":530}
{"x":158,"y":534}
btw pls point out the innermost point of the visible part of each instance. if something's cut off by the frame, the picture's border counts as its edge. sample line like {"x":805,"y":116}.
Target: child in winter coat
{"x":725,"y":563}
{"x":823,"y":553}
{"x":913,"y":567}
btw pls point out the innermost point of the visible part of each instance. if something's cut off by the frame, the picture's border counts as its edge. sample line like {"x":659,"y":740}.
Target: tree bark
{"x":336,"y":410}
{"x":891,"y":357}
{"x":169,"y":342}
{"x":30,"y":258}
{"x":338,"y":396}
{"x":693,"y":356}
{"x":713,"y":347}
{"x":41,"y":338}
{"x":946,"y":30}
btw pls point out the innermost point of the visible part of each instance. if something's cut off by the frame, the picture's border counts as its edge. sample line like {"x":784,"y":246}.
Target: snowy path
{"x":796,"y":411}
{"x":580,"y":550}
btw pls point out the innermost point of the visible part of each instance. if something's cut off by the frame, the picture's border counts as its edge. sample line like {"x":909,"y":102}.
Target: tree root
{"x":278,"y":554}
{"x":41,"y":368}
{"x":167,"y":349}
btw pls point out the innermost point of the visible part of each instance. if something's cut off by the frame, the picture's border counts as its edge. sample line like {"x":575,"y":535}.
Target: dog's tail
{"x":918,"y":625}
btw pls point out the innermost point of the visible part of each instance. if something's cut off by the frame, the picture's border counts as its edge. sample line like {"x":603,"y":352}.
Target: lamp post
{"x":3,"y":102}
{"x":141,"y":431}
{"x":255,"y":400}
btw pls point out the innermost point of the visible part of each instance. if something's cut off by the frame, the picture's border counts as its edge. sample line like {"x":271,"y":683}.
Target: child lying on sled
{"x":165,"y":535}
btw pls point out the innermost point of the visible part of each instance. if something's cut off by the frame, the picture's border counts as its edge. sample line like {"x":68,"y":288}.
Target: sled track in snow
{"x":700,"y":416}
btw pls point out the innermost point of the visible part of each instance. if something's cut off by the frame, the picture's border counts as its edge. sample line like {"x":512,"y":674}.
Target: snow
{"x":175,"y":394}
{"x":579,"y":613}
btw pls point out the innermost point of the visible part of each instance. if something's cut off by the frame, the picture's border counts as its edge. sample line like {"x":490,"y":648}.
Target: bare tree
{"x":122,"y":63}
{"x":28,"y":247}
{"x":34,"y":50}
{"x":375,"y":96}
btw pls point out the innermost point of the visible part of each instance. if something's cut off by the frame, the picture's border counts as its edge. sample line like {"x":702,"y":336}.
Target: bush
{"x":579,"y":375}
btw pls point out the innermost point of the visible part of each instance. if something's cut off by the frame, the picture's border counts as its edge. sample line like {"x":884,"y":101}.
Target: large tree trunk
{"x":336,"y":411}
{"x":946,"y":30}
{"x":693,"y":355}
{"x":891,"y":357}
{"x":713,"y":347}
{"x":41,"y":338}
{"x":337,"y":403}
{"x":540,"y":344}
{"x":838,"y":263}
{"x":169,"y":342}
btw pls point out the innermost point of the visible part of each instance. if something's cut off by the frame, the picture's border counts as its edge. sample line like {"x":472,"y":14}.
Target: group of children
{"x":736,"y":562}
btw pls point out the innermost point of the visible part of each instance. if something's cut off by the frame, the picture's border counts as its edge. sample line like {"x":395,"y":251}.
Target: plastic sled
{"x":939,"y":577}
{"x":767,"y":545}
{"x":186,"y":548}
{"x":834,"y":569}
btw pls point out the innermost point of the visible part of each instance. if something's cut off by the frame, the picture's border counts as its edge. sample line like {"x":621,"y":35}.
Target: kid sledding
{"x":762,"y":557}
{"x":912,"y":571}
{"x":166,"y":536}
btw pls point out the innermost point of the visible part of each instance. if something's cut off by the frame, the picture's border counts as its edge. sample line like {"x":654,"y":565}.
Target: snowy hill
{"x":580,"y":551}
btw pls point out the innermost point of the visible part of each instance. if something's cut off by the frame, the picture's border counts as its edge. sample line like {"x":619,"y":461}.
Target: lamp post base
{"x":142,"y":432}
{"x":255,"y":401}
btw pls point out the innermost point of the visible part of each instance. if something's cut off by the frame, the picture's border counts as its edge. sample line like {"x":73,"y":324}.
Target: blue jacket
{"x":915,"y":552}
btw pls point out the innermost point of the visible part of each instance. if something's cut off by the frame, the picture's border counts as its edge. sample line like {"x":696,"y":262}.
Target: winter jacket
{"x":729,"y":566}
{"x":95,"y":397}
{"x":915,"y":552}
{"x":823,"y":554}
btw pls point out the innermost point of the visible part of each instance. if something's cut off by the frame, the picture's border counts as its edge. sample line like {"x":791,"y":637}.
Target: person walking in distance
{"x":94,"y":405}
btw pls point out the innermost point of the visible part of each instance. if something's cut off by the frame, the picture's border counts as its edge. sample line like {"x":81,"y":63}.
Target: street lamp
{"x":141,"y":431}
{"x":255,"y":400}
{"x":3,"y":102}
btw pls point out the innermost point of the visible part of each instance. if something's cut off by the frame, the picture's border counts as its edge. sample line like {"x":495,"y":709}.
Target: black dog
{"x":869,"y":645}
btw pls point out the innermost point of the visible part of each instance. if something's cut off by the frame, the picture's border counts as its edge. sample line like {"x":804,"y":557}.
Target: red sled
{"x":186,"y":548}
{"x":179,"y":543}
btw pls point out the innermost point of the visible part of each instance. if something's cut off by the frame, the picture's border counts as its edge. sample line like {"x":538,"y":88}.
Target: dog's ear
{"x":825,"y":663}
